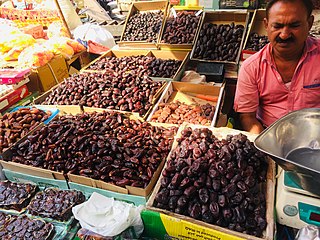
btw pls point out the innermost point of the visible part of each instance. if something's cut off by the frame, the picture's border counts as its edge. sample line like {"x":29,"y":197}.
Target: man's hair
{"x":307,"y":3}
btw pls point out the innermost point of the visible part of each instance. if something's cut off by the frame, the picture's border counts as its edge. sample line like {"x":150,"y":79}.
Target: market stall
{"x":141,"y":142}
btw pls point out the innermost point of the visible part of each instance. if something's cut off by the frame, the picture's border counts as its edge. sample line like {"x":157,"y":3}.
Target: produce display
{"x":22,"y":227}
{"x":15,"y":196}
{"x":178,"y":112}
{"x":121,"y":90}
{"x":105,"y":146}
{"x":144,"y":26}
{"x":181,"y":29}
{"x":219,"y":42}
{"x":216,"y":181}
{"x":15,"y":125}
{"x":256,"y":42}
{"x":55,"y":203}
{"x":151,"y":66}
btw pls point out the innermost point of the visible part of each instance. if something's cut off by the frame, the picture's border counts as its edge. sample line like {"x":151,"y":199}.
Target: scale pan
{"x":293,"y":142}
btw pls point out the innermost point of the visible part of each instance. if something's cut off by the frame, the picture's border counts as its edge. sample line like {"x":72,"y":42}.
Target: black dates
{"x":217,"y":188}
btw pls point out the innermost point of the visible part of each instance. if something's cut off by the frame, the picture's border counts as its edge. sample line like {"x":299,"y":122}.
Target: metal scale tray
{"x":298,"y":130}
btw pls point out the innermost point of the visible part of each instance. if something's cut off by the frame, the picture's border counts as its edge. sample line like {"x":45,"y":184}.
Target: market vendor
{"x":285,"y":75}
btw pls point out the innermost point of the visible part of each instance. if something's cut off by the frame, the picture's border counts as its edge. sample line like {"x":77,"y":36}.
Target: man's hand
{"x":250,"y":123}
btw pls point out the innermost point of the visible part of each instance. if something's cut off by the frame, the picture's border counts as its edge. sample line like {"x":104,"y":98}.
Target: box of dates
{"x":123,"y":91}
{"x":180,"y":29}
{"x":116,"y":59}
{"x":167,"y":65}
{"x":188,"y":102}
{"x":217,"y":180}
{"x":221,"y":37}
{"x":143,"y":25}
{"x":257,"y":36}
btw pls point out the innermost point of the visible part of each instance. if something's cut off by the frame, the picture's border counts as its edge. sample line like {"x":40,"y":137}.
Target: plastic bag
{"x":56,"y":29}
{"x":193,"y":77}
{"x":59,"y":46}
{"x":308,"y":232}
{"x":17,"y":40}
{"x":94,"y":33}
{"x":35,"y":56}
{"x":108,"y":217}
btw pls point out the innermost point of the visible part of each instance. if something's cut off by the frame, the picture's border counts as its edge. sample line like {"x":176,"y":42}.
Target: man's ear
{"x":310,"y":21}
{"x":265,"y":21}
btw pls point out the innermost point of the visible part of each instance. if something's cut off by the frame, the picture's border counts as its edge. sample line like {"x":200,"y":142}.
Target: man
{"x":285,"y":75}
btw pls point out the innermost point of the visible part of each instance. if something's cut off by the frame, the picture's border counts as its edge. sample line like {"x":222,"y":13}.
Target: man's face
{"x":288,"y":26}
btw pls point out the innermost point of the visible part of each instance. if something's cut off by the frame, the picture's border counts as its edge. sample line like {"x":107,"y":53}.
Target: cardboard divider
{"x":143,"y":6}
{"x":187,"y":92}
{"x":185,"y":46}
{"x":256,"y":26}
{"x":269,"y":189}
{"x":34,"y":171}
{"x":224,"y":17}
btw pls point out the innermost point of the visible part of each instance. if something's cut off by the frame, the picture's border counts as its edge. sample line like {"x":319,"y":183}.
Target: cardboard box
{"x":162,"y":226}
{"x":100,"y":184}
{"x":223,"y":17}
{"x":176,"y":55}
{"x":256,"y":26}
{"x":238,"y":4}
{"x":178,"y":230}
{"x":186,"y":92}
{"x":143,"y":6}
{"x":170,"y":14}
{"x":45,"y":77}
{"x":41,"y":182}
{"x":12,"y":97}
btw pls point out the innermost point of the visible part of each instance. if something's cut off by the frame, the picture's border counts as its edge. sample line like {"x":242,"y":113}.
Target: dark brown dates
{"x":215,"y":187}
{"x":256,"y":42}
{"x":181,"y":29}
{"x":23,"y":227}
{"x":143,"y":65}
{"x":143,"y":26}
{"x":219,"y":42}
{"x":15,"y":125}
{"x":55,"y":203}
{"x":15,"y":196}
{"x":106,"y":146}
{"x":125,"y":91}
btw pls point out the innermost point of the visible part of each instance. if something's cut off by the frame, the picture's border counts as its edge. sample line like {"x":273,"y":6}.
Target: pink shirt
{"x":260,"y":87}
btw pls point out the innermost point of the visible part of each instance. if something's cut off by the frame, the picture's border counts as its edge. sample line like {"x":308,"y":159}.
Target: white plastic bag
{"x":95,"y":33}
{"x":309,"y":232}
{"x":108,"y":217}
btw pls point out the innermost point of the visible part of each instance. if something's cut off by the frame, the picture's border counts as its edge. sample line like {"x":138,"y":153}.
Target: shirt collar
{"x":309,"y":47}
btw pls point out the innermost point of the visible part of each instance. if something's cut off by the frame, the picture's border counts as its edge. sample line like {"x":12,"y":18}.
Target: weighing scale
{"x":295,"y":206}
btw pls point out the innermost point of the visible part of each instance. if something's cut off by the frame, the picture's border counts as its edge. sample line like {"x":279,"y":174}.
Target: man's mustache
{"x":280,"y":40}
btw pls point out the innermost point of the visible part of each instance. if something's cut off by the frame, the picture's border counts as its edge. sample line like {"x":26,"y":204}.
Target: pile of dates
{"x":15,"y":125}
{"x":143,"y":26}
{"x":178,"y":112}
{"x":15,"y":196}
{"x":219,"y":42}
{"x":105,"y":146}
{"x":181,"y":29}
{"x":125,"y":91}
{"x":55,"y":203}
{"x":216,"y":181}
{"x":145,"y":65}
{"x":256,"y":42}
{"x":22,"y":227}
